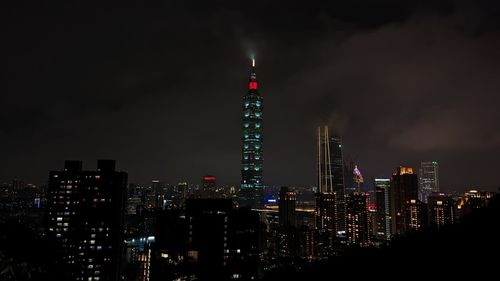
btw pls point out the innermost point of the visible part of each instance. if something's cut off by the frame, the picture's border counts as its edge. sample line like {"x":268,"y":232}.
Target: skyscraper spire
{"x":253,"y":84}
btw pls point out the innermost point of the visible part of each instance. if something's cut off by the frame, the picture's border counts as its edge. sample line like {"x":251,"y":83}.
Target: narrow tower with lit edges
{"x":251,"y":163}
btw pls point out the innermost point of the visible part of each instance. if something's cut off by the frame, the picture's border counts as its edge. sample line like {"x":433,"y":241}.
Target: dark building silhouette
{"x":404,"y":188}
{"x":157,"y":189}
{"x":441,"y":210}
{"x":428,"y":179}
{"x":288,"y":236}
{"x":251,"y":186}
{"x":207,"y":237}
{"x":326,"y":202}
{"x":210,"y":241}
{"x":358,"y":231}
{"x":85,"y":219}
{"x":286,"y":203}
{"x":330,"y":172}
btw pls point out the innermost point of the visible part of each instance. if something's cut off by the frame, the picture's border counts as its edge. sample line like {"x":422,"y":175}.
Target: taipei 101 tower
{"x":251,"y":187}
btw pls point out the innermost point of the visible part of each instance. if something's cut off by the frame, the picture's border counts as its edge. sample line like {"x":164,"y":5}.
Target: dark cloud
{"x":158,"y":86}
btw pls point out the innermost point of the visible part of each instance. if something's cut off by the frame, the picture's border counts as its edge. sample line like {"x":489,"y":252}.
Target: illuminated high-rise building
{"x":182,"y":193}
{"x":337,"y":164}
{"x":429,"y":179}
{"x":383,"y":210}
{"x":441,"y":210}
{"x":403,"y":189}
{"x":324,"y":172}
{"x":85,"y":219}
{"x":251,"y":187}
{"x":357,"y":227}
{"x":326,"y":208}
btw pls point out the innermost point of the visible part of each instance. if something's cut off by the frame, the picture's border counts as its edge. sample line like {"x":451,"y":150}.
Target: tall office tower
{"x":286,"y":206}
{"x":429,"y":179}
{"x":157,"y":189}
{"x":404,"y":187}
{"x":337,"y":164}
{"x":358,"y":231}
{"x":441,"y":210}
{"x":251,"y":187}
{"x":326,"y":203}
{"x":85,"y":219}
{"x":171,"y":245}
{"x":416,"y":215}
{"x":383,"y":210}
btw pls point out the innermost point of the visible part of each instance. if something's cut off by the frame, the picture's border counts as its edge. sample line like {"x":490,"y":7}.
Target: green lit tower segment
{"x":252,"y":158}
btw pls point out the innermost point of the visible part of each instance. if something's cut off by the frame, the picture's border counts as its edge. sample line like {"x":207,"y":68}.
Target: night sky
{"x":158,"y":87}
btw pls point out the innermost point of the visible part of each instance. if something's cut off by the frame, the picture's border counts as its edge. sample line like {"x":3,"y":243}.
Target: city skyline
{"x":417,"y":84}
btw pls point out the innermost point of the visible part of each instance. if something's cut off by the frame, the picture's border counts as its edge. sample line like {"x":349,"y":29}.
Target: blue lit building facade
{"x":252,"y":159}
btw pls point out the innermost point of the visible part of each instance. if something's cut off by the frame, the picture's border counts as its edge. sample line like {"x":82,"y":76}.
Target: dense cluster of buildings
{"x":106,"y":229}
